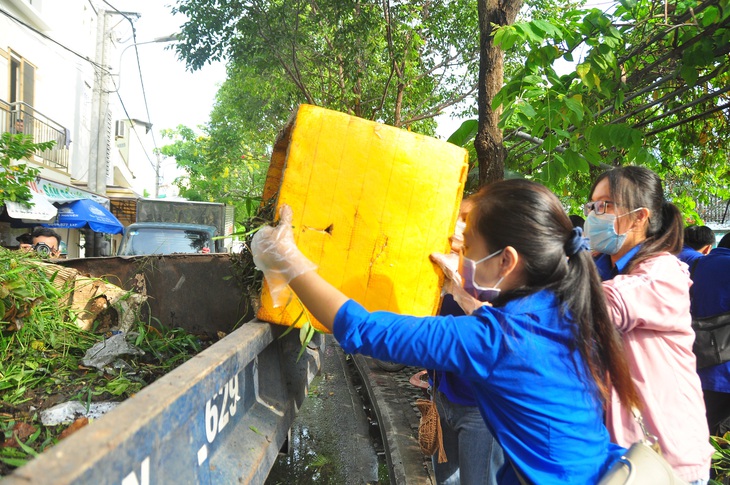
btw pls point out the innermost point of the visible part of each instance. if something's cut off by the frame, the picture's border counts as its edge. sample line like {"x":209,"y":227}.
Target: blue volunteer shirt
{"x":711,"y":296}
{"x":532,"y":390}
{"x":689,"y":255}
{"x":606,"y":269}
{"x":452,"y":385}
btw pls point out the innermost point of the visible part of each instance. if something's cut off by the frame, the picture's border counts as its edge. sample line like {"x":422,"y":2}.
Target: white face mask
{"x":468,"y":269}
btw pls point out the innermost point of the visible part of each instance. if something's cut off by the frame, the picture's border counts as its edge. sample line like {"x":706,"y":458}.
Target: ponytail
{"x":597,"y":338}
{"x":669,"y":237}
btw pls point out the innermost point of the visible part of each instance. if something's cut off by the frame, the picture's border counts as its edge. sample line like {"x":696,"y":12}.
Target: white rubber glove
{"x":277,"y":255}
{"x":449,"y":264}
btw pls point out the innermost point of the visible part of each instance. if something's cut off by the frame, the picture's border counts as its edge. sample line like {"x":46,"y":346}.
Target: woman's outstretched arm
{"x":321,"y":298}
{"x":277,"y":255}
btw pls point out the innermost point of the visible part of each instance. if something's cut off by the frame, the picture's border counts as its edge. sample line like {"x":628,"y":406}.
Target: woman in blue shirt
{"x":541,"y":358}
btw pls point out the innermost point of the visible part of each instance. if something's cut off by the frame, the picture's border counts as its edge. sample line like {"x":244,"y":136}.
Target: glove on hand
{"x":449,"y":264}
{"x":277,"y":255}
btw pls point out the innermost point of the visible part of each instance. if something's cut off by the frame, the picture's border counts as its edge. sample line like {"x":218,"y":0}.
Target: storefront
{"x":56,"y":206}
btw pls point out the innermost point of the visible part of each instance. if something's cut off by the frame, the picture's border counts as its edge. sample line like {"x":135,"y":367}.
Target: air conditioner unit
{"x":120,"y":129}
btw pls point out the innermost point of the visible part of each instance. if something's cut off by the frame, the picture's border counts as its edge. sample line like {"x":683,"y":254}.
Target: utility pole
{"x":100,"y":126}
{"x":100,"y":110}
{"x":158,"y":40}
{"x":101,"y":121}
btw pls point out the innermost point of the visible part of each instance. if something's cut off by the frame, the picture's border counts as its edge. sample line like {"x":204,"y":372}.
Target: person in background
{"x":19,"y":126}
{"x":473,"y":454}
{"x":710,"y":297}
{"x":637,"y":233}
{"x":541,"y":357}
{"x":698,"y":241}
{"x":45,"y":241}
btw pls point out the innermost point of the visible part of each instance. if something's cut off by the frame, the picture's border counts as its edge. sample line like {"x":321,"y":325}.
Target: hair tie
{"x":576,"y":242}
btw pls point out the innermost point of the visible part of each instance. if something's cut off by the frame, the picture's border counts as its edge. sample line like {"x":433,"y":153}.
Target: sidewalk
{"x":394,"y":400}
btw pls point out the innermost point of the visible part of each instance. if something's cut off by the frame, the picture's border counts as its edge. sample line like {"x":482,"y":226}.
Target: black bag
{"x":712,"y":340}
{"x":712,"y":335}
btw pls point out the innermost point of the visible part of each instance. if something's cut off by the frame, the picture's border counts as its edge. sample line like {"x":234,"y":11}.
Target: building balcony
{"x":23,"y":118}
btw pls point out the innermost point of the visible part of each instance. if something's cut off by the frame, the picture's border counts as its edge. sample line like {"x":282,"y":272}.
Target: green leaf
{"x":526,"y":109}
{"x":25,"y":447}
{"x":710,"y":16}
{"x":628,"y":4}
{"x":529,"y":33}
{"x":551,"y":141}
{"x":506,"y":37}
{"x":532,"y":79}
{"x":585,"y":74}
{"x":575,"y":162}
{"x":575,"y":106}
{"x":548,"y":28}
{"x":533,"y":93}
{"x":308,"y":334}
{"x":15,"y":462}
{"x":689,"y":74}
{"x":293,"y":324}
{"x":465,"y":133}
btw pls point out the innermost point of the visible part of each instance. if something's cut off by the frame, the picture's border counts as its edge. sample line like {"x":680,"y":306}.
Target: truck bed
{"x":221,"y":417}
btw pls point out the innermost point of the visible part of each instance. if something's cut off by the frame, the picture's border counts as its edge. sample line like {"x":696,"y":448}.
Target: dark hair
{"x":25,"y":238}
{"x":46,"y":232}
{"x":576,"y":220}
{"x":638,"y":187}
{"x":530,"y":218}
{"x":698,"y":237}
{"x":725,"y":241}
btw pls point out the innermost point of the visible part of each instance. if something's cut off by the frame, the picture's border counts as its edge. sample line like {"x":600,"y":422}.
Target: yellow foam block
{"x":370,"y":202}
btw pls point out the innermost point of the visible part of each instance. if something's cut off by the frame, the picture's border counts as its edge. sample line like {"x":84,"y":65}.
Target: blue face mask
{"x":481,"y":293}
{"x":601,"y":232}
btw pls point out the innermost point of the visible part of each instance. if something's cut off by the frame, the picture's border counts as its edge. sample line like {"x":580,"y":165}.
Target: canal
{"x":335,"y":438}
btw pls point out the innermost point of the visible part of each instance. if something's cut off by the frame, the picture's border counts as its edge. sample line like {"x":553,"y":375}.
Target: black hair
{"x":46,"y":232}
{"x":25,"y":238}
{"x":698,"y":237}
{"x":528,"y":217}
{"x":638,"y":187}
{"x":577,"y":220}
{"x":725,"y":241}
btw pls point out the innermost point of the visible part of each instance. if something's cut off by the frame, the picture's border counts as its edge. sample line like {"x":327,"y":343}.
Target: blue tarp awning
{"x":86,"y":213}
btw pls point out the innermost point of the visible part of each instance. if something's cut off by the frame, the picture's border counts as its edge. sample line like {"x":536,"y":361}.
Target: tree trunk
{"x":488,"y":142}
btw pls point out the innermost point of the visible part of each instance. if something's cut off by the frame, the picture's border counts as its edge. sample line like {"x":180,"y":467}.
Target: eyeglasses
{"x":599,"y":207}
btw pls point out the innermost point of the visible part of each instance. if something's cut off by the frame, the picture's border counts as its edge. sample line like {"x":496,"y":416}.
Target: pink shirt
{"x":650,"y":306}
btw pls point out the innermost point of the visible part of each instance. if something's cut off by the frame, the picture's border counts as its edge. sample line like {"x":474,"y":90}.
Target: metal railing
{"x":717,"y":212}
{"x":23,"y":118}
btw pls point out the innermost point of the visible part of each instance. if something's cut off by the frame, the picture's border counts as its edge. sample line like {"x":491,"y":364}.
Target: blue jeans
{"x":474,"y":455}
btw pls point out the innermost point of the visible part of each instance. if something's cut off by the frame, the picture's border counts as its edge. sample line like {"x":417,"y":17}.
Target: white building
{"x":59,"y":79}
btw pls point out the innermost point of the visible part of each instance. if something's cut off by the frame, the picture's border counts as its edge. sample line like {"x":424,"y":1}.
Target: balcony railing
{"x":22,"y":118}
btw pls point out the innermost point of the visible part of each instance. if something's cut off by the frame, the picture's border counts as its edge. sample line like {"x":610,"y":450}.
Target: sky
{"x":175,"y":96}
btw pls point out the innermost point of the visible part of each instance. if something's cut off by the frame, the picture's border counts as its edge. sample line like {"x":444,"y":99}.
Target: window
{"x":22,"y":90}
{"x":155,"y":240}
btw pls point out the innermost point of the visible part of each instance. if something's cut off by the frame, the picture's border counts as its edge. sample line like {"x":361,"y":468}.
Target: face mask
{"x":481,"y":293}
{"x":601,"y":232}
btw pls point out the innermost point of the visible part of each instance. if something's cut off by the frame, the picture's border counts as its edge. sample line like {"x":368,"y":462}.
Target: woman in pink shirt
{"x":637,"y":233}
